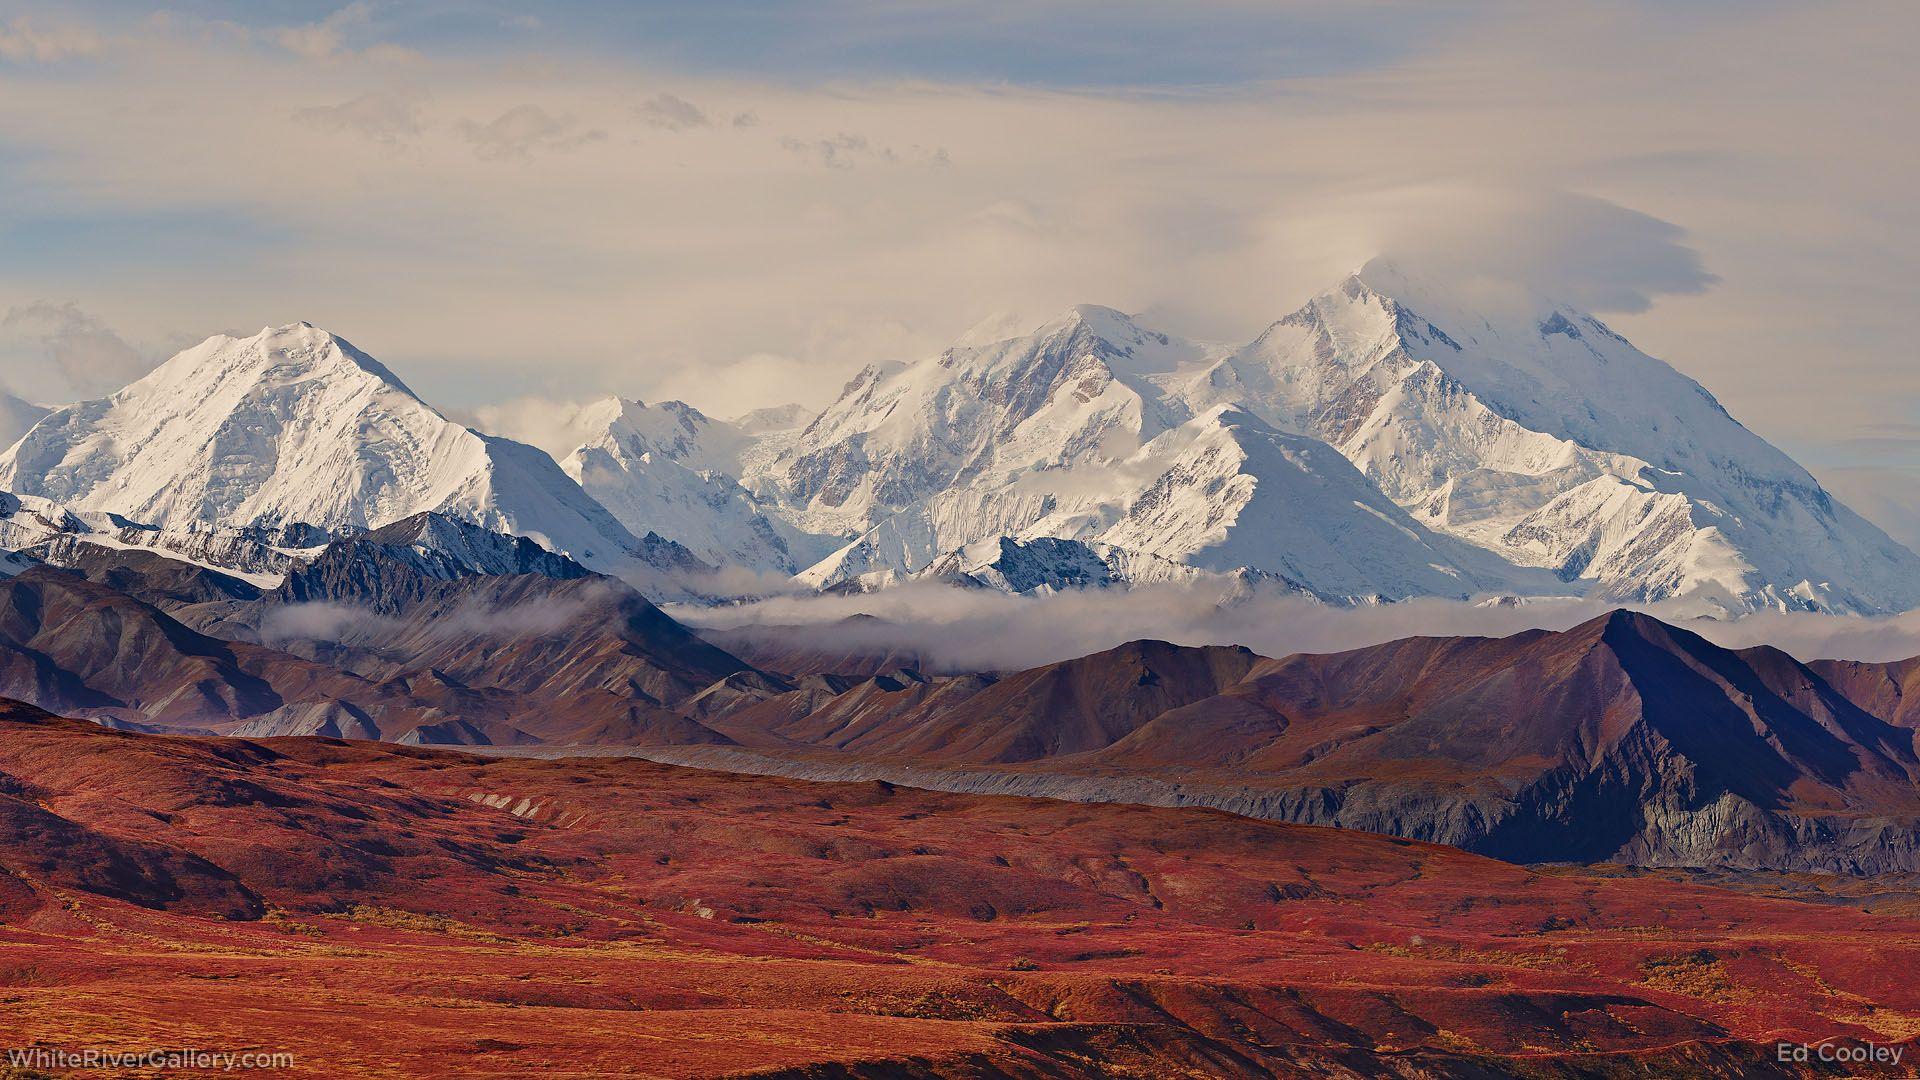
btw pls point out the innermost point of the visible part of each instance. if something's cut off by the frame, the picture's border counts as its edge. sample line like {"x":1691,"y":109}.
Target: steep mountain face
{"x":296,"y":425}
{"x":151,"y":578}
{"x":669,"y":469}
{"x":1542,"y":435}
{"x":1072,"y":391}
{"x":1066,"y":434}
{"x":1535,"y":435}
{"x":389,"y":569}
{"x":16,"y":418}
{"x":82,"y":648}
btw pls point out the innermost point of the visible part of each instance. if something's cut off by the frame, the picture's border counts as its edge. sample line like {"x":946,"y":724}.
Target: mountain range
{"x":1623,"y":738}
{"x":1387,"y":440}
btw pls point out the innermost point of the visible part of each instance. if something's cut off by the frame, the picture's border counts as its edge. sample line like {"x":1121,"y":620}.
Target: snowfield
{"x":1388,"y":440}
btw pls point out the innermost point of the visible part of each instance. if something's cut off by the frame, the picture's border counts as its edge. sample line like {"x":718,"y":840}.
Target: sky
{"x":521,"y":207}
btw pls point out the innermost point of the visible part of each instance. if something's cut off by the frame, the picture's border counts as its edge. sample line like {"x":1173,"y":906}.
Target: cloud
{"x":746,"y":119}
{"x":823,"y":355}
{"x":60,"y":352}
{"x":670,"y":113}
{"x":173,"y":189}
{"x":23,"y":39}
{"x":844,"y":150}
{"x":1489,"y":238}
{"x":330,"y":621}
{"x":325,"y":38}
{"x":979,"y":630}
{"x":524,"y":129}
{"x":553,"y":426}
{"x":388,"y":117}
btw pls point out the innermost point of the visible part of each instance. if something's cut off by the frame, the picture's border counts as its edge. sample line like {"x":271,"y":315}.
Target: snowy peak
{"x":292,"y":425}
{"x":671,"y":430}
{"x":1238,"y":493}
{"x":277,"y":354}
{"x":670,"y":470}
{"x":773,"y":420}
{"x":1077,"y":389}
{"x":1531,"y":428}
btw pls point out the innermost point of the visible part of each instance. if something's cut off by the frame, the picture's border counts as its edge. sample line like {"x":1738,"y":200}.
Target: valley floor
{"x":375,"y":910}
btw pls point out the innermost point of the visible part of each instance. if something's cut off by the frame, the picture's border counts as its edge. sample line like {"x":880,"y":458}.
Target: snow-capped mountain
{"x":670,"y":469}
{"x":1069,"y":432}
{"x":1546,"y":437}
{"x":447,"y":549}
{"x":1072,"y":392}
{"x":1387,"y":440}
{"x":1527,"y":452}
{"x":296,"y":425}
{"x":16,"y":418}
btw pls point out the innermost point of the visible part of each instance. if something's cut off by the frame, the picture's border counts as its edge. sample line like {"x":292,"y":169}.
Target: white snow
{"x":1386,"y":440}
{"x":669,"y":469}
{"x":1570,"y":460}
{"x":296,"y":425}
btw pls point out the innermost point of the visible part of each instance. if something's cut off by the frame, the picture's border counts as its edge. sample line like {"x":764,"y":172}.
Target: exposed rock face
{"x":91,"y":540}
{"x":145,"y":575}
{"x":389,"y":569}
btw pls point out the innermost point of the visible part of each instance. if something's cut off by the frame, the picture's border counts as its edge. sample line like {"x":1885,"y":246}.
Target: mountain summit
{"x":1544,"y":436}
{"x":1392,"y":438}
{"x":1572,"y":461}
{"x":294,"y":424}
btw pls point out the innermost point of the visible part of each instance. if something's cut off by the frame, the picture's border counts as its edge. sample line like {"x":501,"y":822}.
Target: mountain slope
{"x":1621,"y":739}
{"x":296,"y":425}
{"x":1067,"y":434}
{"x":501,"y":659}
{"x":1525,"y":428}
{"x":1072,"y":390}
{"x":1060,"y":709}
{"x":669,"y":469}
{"x":581,"y":656}
{"x":1542,"y":435}
{"x":58,"y":534}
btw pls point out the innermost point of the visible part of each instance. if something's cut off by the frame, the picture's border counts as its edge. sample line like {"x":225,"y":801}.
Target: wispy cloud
{"x":326,"y":38}
{"x":388,"y":117}
{"x":59,"y":352}
{"x":847,"y":149}
{"x":1198,"y":165}
{"x":671,"y":113}
{"x":525,"y":129}
{"x":974,"y":630}
{"x":25,"y":38}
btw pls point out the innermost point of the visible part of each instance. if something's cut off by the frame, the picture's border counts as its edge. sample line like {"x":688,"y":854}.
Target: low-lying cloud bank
{"x":976,"y":630}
